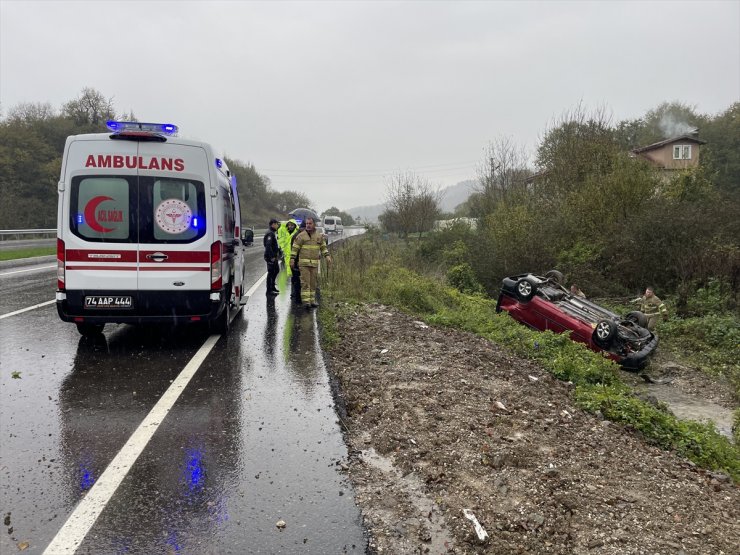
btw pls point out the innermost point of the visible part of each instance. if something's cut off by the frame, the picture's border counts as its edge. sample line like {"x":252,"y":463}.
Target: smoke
{"x":672,"y":127}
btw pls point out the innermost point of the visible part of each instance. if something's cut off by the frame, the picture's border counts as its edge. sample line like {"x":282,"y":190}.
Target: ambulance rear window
{"x":100,"y":208}
{"x":172,"y":210}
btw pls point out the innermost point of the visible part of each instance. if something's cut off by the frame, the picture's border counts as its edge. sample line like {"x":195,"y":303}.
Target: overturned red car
{"x":543,"y":303}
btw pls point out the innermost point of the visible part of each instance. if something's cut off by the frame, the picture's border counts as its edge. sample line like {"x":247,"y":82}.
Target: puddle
{"x":687,"y":407}
{"x":411,"y":485}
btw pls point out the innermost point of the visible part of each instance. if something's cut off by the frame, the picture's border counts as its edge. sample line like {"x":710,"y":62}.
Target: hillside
{"x":450,"y":196}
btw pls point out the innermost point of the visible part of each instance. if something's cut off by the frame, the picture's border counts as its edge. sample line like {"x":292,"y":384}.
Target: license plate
{"x":102,"y":301}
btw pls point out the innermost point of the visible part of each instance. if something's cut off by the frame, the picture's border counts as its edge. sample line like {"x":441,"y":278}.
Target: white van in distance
{"x":333,"y":224}
{"x":147,"y":231}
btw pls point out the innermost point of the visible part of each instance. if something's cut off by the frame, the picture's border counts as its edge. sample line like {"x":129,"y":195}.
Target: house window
{"x":682,"y":152}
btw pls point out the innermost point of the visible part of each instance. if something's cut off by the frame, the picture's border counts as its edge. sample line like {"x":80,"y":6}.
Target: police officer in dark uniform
{"x":272,"y":256}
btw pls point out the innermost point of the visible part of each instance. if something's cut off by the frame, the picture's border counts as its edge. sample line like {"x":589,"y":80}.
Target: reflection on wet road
{"x":252,"y":440}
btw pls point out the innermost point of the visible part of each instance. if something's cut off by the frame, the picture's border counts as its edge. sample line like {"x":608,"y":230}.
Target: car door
{"x":101,"y":230}
{"x":174,"y":218}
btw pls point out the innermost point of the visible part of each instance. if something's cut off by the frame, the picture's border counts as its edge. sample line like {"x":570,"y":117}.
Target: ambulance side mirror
{"x":247,"y":237}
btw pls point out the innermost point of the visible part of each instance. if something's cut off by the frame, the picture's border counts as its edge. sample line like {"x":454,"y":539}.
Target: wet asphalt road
{"x":252,"y":440}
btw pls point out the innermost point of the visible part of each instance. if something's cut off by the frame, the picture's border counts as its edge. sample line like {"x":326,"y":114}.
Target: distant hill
{"x":454,"y":195}
{"x":367,"y":214}
{"x":451,"y":197}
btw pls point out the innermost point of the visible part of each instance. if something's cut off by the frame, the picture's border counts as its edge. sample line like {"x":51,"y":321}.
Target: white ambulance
{"x":148,"y":231}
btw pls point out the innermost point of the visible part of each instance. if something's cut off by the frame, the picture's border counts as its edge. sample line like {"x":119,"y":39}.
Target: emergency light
{"x":124,"y":126}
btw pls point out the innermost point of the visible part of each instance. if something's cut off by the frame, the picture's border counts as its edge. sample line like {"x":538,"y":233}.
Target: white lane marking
{"x":79,"y":523}
{"x":22,"y":310}
{"x":28,"y":270}
{"x":256,"y":285}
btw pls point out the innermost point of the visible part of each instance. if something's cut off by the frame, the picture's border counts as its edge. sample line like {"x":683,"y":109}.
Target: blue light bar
{"x":160,"y":128}
{"x":219,"y":163}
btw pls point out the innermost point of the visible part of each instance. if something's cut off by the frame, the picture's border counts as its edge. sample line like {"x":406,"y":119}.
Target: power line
{"x":370,"y":173}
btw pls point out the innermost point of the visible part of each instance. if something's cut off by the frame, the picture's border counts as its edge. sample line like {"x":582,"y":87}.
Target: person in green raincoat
{"x":285,"y":235}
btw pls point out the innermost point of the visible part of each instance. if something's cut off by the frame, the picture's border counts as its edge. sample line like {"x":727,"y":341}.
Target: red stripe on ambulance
{"x":178,"y":257}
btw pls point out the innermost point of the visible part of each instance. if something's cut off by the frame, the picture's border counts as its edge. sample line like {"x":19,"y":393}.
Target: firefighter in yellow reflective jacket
{"x":308,"y":247}
{"x":284,"y":235}
{"x":652,"y":307}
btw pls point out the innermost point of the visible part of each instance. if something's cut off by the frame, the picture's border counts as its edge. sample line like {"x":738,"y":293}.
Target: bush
{"x":462,"y":278}
{"x":597,"y":383}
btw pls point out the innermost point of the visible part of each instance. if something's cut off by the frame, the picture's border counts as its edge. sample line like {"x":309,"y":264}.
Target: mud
{"x":439,"y":421}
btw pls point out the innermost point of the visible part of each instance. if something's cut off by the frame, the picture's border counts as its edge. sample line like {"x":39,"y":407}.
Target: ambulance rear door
{"x":175,"y":224}
{"x":101,"y":230}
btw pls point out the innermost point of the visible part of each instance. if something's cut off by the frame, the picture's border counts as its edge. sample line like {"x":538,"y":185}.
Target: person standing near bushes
{"x":272,"y":252}
{"x":652,"y":307}
{"x":308,"y":248}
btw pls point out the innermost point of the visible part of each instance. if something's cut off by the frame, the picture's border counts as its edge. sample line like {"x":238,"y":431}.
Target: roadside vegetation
{"x":32,"y":137}
{"x":26,"y":253}
{"x":393,"y":272}
{"x":611,"y":222}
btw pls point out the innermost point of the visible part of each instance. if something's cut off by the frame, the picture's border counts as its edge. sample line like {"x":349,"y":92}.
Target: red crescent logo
{"x":90,"y":209}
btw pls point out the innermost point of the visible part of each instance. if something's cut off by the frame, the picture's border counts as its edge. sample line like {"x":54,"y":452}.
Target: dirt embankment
{"x":439,"y":422}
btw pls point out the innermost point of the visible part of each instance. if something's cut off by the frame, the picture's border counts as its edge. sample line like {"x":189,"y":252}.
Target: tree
{"x":412,"y":204}
{"x":286,"y":201}
{"x":721,"y":154}
{"x":579,"y":147}
{"x":347,"y":219}
{"x":668,"y":119}
{"x":91,"y":108}
{"x":504,"y":168}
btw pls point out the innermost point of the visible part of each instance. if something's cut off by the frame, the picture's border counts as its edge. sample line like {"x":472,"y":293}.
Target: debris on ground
{"x":452,"y":422}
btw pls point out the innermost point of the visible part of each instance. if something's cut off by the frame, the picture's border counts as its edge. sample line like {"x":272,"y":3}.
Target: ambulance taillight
{"x":216,"y":278}
{"x":60,"y":264}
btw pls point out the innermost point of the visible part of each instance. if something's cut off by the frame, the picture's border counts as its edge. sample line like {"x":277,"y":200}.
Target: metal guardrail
{"x":18,"y":233}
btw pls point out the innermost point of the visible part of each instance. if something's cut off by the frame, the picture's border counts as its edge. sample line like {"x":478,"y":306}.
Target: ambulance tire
{"x":90,"y":330}
{"x":221,"y":324}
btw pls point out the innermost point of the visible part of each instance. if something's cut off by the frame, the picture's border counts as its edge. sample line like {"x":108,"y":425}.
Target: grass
{"x":377,"y":270}
{"x":26,"y":253}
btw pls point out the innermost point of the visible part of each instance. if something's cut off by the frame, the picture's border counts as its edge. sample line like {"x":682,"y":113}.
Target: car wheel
{"x":638,"y":318}
{"x":89,"y":330}
{"x":525,"y":289}
{"x":604,"y":333}
{"x":556,"y":276}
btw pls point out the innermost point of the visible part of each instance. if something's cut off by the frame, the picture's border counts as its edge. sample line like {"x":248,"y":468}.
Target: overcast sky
{"x":327,"y":97}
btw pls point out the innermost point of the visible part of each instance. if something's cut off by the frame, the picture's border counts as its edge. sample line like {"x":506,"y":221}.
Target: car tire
{"x":90,"y":330}
{"x":556,"y":276}
{"x":604,"y":333}
{"x":525,"y":290}
{"x":638,"y":318}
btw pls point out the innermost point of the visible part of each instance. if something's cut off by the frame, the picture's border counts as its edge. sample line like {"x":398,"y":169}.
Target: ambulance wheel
{"x":89,"y":330}
{"x":221,"y":324}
